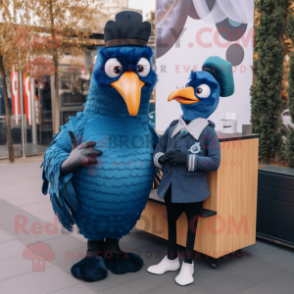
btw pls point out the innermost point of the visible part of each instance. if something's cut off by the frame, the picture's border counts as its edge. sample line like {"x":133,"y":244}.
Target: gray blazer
{"x":200,"y":142}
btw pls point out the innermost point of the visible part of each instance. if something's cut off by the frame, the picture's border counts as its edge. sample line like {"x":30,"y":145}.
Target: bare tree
{"x":13,"y":50}
{"x":62,"y":20}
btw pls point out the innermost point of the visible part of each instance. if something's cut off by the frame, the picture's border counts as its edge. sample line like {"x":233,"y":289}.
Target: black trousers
{"x":174,"y":210}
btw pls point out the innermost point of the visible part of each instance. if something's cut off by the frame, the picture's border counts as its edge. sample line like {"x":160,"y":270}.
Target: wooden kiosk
{"x":228,"y":221}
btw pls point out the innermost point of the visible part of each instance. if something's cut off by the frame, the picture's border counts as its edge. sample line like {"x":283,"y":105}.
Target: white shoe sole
{"x":164,"y":272}
{"x":185,"y":284}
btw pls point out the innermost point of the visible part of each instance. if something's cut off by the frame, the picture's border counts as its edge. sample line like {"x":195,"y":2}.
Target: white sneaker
{"x":185,"y":276}
{"x":166,"y":265}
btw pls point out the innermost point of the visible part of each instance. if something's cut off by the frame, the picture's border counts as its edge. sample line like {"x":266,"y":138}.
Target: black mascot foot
{"x":92,"y":268}
{"x":119,"y":262}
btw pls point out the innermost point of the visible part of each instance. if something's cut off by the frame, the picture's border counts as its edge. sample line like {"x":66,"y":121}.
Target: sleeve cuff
{"x":192,"y":162}
{"x":156,"y":157}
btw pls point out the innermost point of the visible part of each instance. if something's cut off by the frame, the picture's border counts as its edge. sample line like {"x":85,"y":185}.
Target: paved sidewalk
{"x":26,"y":217}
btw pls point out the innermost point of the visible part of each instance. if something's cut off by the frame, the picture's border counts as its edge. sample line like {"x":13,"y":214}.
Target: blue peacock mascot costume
{"x":100,"y":165}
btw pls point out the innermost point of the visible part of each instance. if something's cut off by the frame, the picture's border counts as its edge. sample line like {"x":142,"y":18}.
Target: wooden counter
{"x":233,"y":197}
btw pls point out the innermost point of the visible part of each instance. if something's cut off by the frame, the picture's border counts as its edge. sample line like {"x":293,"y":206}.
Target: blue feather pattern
{"x":62,"y":193}
{"x":105,"y":200}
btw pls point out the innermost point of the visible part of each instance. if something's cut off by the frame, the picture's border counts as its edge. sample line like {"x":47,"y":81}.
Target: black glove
{"x":163,"y":159}
{"x":83,"y":155}
{"x":176,"y":157}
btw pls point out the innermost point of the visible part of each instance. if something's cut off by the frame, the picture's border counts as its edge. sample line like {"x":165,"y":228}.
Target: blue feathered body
{"x":104,"y":200}
{"x":113,"y":193}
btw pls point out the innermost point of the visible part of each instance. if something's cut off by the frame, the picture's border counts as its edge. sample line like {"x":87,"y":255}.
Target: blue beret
{"x":222,"y":71}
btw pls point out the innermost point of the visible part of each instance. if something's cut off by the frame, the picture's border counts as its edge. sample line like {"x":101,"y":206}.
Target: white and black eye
{"x":186,"y":85}
{"x":203,"y":91}
{"x":113,"y":67}
{"x":143,"y":67}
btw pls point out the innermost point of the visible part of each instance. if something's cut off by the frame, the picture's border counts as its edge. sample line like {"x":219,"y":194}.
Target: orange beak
{"x":184,"y":96}
{"x":129,"y":87}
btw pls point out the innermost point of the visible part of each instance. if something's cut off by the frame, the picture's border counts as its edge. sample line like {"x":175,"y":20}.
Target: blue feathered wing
{"x":62,"y":193}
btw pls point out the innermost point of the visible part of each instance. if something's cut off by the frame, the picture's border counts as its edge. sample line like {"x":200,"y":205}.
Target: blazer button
{"x":175,"y":171}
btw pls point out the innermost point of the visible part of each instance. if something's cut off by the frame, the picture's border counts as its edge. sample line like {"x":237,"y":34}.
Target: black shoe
{"x":92,"y":268}
{"x":119,"y":262}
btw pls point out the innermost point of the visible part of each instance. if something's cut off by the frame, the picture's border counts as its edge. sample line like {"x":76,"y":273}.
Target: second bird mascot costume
{"x":189,"y":149}
{"x":100,"y":166}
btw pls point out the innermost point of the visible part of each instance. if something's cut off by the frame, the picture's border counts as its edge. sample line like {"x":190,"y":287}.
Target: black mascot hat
{"x":127,"y":30}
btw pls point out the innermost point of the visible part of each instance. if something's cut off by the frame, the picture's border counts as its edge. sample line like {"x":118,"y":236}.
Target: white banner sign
{"x":190,"y":31}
